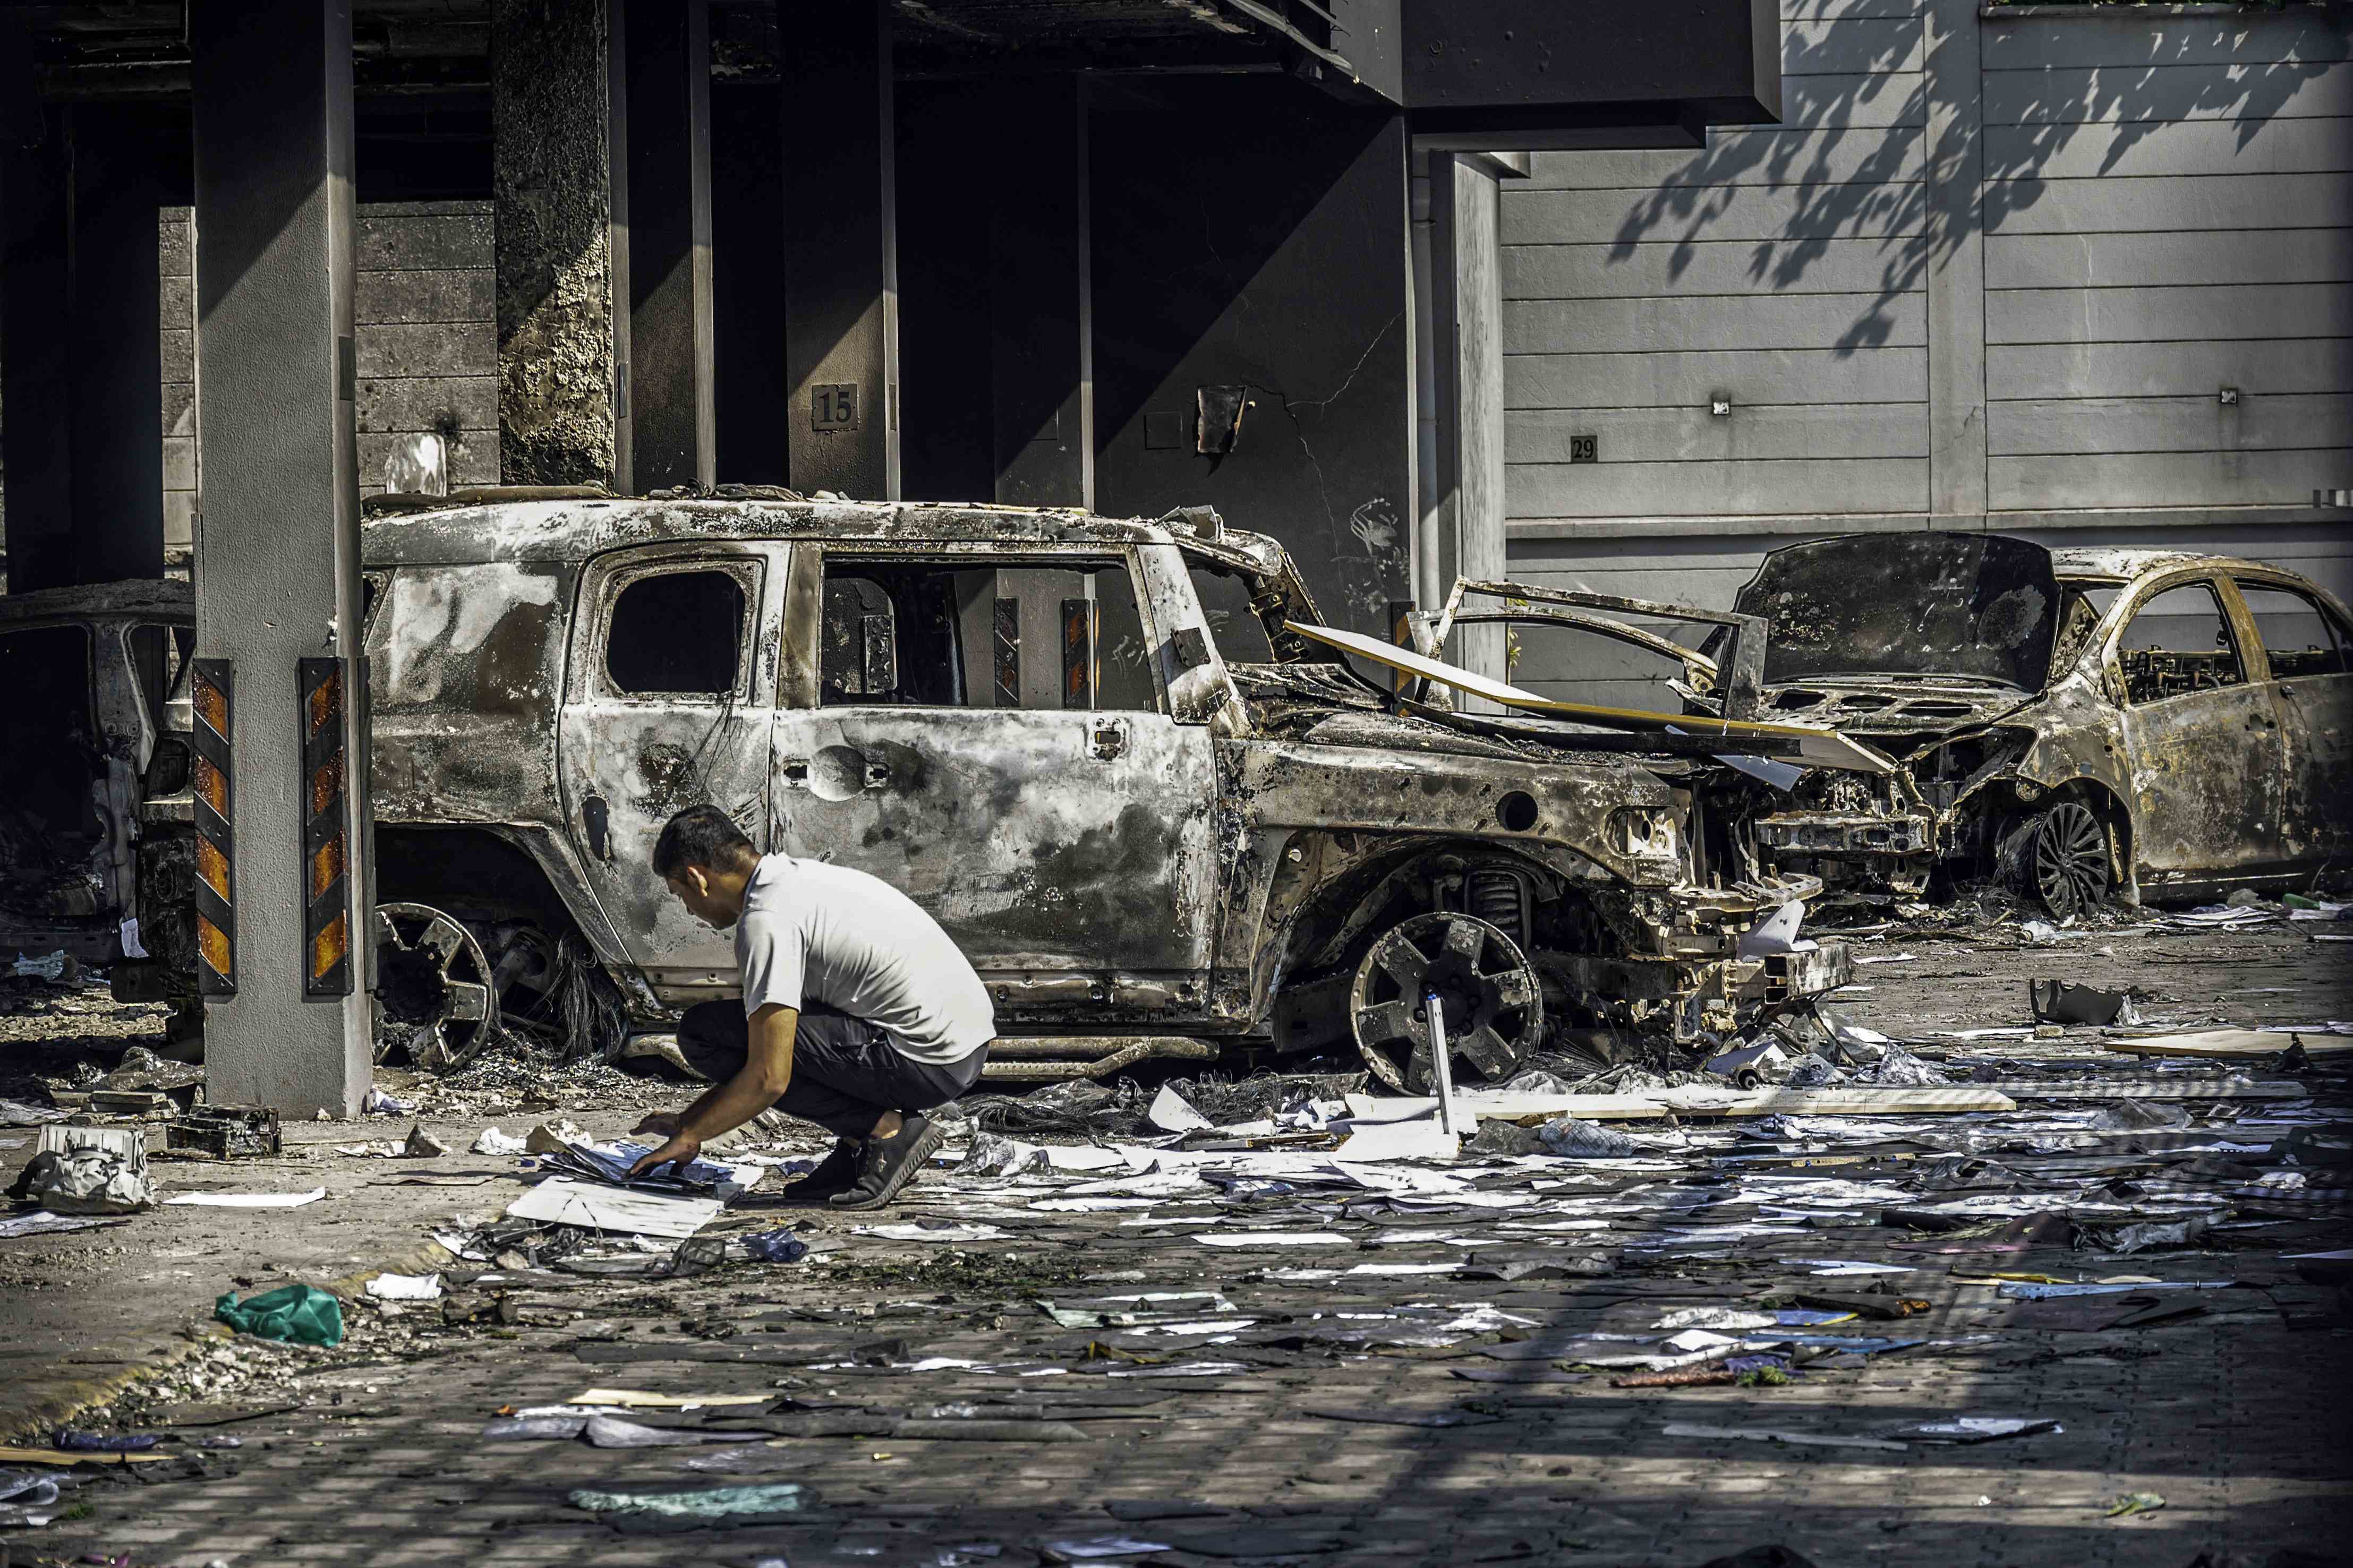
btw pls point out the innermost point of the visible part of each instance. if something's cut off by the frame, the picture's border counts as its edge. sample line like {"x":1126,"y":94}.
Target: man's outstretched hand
{"x":680,"y":1150}
{"x":661,"y":1124}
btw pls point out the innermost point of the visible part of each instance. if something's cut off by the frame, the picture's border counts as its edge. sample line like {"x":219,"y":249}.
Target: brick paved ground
{"x":2238,"y":1417}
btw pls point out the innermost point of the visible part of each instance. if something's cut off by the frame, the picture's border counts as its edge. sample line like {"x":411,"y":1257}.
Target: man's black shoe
{"x":889,"y":1164}
{"x":834,"y":1174}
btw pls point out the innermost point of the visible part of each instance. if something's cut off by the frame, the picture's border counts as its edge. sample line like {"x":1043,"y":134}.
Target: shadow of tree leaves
{"x":1897,"y":188}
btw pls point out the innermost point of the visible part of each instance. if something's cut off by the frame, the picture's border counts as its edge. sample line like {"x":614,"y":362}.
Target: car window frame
{"x":748,"y":567}
{"x":804,"y":612}
{"x":2340,"y":623}
{"x":2138,"y":596}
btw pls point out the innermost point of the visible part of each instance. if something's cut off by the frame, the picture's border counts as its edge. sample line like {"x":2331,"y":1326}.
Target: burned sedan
{"x":2081,"y":723}
{"x":1158,"y":819}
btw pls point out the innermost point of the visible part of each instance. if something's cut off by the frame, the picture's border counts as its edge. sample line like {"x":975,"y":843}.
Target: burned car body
{"x":1150,"y":814}
{"x":87,"y":670}
{"x":2079,"y":722}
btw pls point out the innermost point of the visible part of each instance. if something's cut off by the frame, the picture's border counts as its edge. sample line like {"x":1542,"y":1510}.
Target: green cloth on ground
{"x":302,"y":1314}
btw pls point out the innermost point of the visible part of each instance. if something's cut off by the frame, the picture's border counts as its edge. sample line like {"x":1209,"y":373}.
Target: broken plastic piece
{"x":493,"y":1141}
{"x":2057,"y":1002}
{"x":1777,"y":933}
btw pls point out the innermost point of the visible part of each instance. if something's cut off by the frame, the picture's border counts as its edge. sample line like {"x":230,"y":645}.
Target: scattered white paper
{"x":1835,"y":1267}
{"x":1419,"y":1140}
{"x":1171,"y":1112}
{"x":493,"y":1141}
{"x":632,"y":1399}
{"x":405,"y":1287}
{"x":1278,"y":1239}
{"x":939,"y":1232}
{"x":562,"y":1201}
{"x":1108,"y":1546}
{"x":250,"y":1200}
{"x":41,"y":1222}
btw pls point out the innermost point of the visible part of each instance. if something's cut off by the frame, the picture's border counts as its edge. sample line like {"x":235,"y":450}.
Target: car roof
{"x":574,"y":528}
{"x":2118,"y":562}
{"x":156,"y":598}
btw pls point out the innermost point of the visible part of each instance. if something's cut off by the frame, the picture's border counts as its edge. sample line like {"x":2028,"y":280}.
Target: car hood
{"x":1979,"y":606}
{"x":1866,"y":709}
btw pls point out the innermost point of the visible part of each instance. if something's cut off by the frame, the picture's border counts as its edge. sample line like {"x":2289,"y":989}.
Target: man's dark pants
{"x":846,"y":1072}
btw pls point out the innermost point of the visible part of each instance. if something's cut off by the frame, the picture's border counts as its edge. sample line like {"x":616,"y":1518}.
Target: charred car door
{"x":666,"y":706}
{"x":2308,"y":650}
{"x":987,"y":731}
{"x":2201,"y":739}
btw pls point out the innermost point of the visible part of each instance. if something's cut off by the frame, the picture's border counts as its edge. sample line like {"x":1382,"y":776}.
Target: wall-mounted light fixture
{"x":1719,"y":406}
{"x":2230,"y":398}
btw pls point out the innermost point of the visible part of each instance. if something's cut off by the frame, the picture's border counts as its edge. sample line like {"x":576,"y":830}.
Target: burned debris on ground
{"x":1219,"y":1314}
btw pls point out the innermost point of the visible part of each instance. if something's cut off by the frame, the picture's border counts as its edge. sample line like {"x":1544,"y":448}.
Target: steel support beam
{"x":278,"y":546}
{"x":674,"y":440}
{"x":841,"y":267}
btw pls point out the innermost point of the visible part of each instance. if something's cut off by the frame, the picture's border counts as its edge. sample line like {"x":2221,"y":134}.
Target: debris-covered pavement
{"x":1952,"y":1286}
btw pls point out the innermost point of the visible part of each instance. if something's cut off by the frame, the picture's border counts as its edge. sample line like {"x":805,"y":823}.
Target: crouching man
{"x":858,"y":1014}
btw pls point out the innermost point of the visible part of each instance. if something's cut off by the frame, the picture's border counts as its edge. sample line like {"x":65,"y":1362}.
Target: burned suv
{"x":1157,"y":818}
{"x":2152,"y":723}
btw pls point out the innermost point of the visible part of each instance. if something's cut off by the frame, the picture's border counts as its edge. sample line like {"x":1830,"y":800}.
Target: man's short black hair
{"x":702,"y":836}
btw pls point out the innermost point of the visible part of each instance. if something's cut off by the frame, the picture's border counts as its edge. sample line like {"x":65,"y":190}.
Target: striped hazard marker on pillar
{"x":212,"y":692}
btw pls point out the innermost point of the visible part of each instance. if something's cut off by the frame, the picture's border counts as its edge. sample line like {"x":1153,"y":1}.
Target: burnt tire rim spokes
{"x":2070,"y":858}
{"x":1493,"y":1005}
{"x":433,"y":996}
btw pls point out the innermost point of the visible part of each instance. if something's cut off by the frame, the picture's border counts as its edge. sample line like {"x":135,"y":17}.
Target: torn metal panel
{"x":1822,"y":748}
{"x":1733,"y":674}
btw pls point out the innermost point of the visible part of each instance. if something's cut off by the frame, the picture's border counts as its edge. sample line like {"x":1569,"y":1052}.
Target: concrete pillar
{"x":1477,"y":334}
{"x":35,"y":363}
{"x":128,"y":161}
{"x":1459,"y":305}
{"x":1957,"y":479}
{"x":674,"y":436}
{"x":559,"y":184}
{"x":1042,"y":365}
{"x":841,"y":268}
{"x":278,"y":546}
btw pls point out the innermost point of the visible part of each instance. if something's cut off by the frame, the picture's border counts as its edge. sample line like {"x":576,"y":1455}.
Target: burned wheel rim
{"x":1492,"y":1005}
{"x":2068,"y":858}
{"x":433,"y":994}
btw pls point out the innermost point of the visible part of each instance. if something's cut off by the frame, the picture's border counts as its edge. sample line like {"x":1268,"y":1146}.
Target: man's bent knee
{"x":714,"y":1038}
